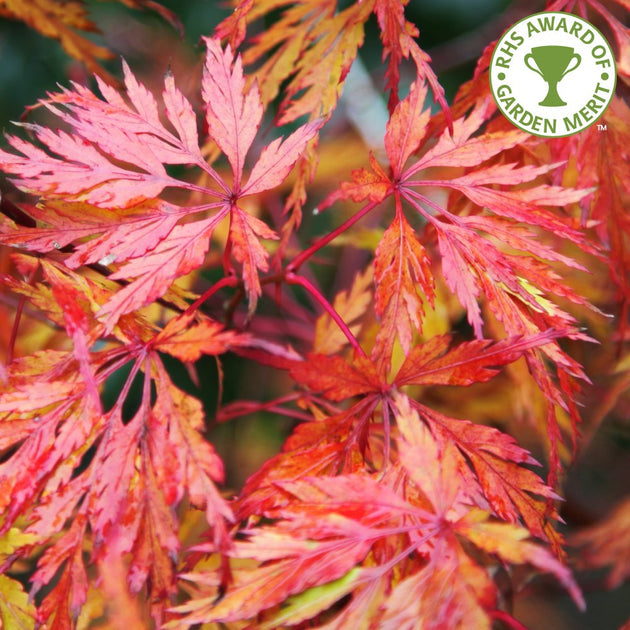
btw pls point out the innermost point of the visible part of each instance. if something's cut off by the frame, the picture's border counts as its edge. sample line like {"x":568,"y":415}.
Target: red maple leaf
{"x":330,"y":536}
{"x":106,"y":175}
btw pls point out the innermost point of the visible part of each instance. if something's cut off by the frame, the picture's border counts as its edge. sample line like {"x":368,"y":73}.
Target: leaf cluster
{"x":428,"y":343}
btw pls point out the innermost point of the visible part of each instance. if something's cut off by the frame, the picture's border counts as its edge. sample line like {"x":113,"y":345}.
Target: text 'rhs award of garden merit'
{"x":552,"y":74}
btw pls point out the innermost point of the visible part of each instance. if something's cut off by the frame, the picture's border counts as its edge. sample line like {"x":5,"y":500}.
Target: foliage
{"x":429,"y":330}
{"x":68,"y":21}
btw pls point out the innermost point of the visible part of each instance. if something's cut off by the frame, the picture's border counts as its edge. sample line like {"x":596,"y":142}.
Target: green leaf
{"x":314,"y":600}
{"x":16,"y":612}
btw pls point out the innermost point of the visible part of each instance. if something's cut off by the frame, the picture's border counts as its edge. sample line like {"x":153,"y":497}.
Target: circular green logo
{"x":553,"y":74}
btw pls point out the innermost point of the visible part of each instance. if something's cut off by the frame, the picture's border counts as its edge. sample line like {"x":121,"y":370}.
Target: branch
{"x":299,"y":260}
{"x":291,"y":278}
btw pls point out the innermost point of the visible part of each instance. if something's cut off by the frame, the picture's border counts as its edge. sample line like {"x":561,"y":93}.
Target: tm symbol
{"x":602,"y":127}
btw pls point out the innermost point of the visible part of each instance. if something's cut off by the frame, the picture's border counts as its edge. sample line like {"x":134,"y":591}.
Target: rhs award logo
{"x":552,"y":74}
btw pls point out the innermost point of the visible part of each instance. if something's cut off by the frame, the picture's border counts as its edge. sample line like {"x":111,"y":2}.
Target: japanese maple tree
{"x":424,"y":316}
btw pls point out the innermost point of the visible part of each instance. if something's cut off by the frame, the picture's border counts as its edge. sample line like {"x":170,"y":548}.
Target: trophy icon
{"x":552,"y":63}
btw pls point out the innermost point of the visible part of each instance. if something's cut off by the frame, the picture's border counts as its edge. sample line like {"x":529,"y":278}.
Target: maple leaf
{"x":620,"y":31}
{"x":490,"y":460}
{"x":138,"y":472}
{"x":188,"y":342}
{"x":357,"y":507}
{"x":145,"y":467}
{"x":470,"y":260}
{"x":324,"y":531}
{"x":327,"y":531}
{"x":398,"y":36}
{"x":594,"y":157}
{"x":68,"y":22}
{"x":182,"y":252}
{"x":469,"y":362}
{"x":309,"y":50}
{"x":350,"y":305}
{"x":606,"y":544}
{"x":447,"y":491}
{"x":496,"y":463}
{"x":449,"y":592}
{"x":404,"y":283}
{"x":134,"y":134}
{"x":61,"y":21}
{"x":488,"y":230}
{"x":312,"y":44}
{"x":16,"y":609}
{"x":114,"y":159}
{"x":335,"y":378}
